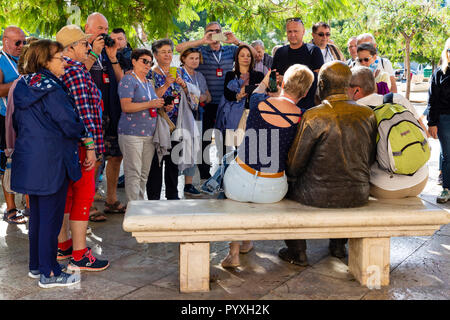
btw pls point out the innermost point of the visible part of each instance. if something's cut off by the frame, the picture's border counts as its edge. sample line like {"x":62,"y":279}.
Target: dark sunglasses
{"x":363,"y":59}
{"x":294,"y":19}
{"x":19,"y":42}
{"x":148,"y":62}
{"x":448,"y":50}
{"x":321,"y":34}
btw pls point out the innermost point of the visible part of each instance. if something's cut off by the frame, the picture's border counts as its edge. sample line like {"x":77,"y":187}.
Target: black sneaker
{"x":88,"y":263}
{"x":64,"y":254}
{"x":190,"y":189}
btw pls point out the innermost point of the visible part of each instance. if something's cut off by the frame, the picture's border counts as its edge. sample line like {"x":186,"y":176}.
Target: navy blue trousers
{"x":46,"y":218}
{"x":444,"y":139}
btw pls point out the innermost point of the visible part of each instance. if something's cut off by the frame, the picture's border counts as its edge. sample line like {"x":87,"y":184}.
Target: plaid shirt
{"x":87,"y":99}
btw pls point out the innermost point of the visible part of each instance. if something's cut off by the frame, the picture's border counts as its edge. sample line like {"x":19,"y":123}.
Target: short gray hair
{"x":257,"y":43}
{"x":351,"y":39}
{"x":160,"y":43}
{"x":363,"y":77}
{"x":212,"y":23}
{"x":365,"y":36}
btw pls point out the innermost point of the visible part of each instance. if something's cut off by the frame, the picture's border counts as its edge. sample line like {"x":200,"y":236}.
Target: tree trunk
{"x":408,"y":65}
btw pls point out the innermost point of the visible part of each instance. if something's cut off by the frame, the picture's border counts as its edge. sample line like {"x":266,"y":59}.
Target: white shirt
{"x":327,"y":56}
{"x":381,"y":178}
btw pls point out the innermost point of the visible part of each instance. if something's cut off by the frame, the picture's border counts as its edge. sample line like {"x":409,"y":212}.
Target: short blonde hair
{"x":444,"y":56}
{"x":297,"y":80}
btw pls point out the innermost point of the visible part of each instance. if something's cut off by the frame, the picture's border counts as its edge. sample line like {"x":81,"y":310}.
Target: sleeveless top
{"x":8,"y":65}
{"x":265,"y":147}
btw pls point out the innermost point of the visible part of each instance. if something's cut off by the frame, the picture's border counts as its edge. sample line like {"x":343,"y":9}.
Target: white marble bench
{"x":194,"y":223}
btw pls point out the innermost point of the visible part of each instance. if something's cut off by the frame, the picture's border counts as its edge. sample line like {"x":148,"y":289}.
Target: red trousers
{"x":80,"y":194}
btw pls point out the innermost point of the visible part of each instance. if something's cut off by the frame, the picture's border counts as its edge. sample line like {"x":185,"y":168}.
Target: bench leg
{"x":194,"y":267}
{"x":369,"y":261}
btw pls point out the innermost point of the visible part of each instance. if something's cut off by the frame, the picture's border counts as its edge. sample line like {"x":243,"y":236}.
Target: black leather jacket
{"x":439,"y":96}
{"x":329,"y":161}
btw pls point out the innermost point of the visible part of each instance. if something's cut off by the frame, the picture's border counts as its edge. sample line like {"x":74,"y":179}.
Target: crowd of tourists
{"x":303,"y":123}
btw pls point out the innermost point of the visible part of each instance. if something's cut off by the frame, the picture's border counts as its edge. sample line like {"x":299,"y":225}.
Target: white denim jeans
{"x":137,"y":154}
{"x":240,"y":185}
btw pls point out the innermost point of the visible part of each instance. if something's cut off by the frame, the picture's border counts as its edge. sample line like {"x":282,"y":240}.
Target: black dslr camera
{"x":168,"y":100}
{"x":109,"y":42}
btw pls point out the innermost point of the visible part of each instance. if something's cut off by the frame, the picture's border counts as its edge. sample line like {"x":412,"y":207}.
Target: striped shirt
{"x":88,"y":99}
{"x":213,"y":60}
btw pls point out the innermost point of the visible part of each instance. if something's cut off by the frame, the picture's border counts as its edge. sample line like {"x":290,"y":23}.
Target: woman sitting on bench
{"x":257,"y":173}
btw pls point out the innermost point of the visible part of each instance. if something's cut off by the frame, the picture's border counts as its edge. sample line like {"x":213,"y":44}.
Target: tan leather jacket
{"x":329,"y":160}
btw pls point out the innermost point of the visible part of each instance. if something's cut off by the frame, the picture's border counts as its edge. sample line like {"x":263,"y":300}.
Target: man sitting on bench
{"x":329,"y":161}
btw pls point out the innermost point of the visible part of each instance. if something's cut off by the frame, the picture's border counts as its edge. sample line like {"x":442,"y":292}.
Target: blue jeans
{"x":444,"y":139}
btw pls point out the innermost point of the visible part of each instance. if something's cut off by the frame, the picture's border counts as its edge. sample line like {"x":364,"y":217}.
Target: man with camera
{"x":124,"y":49}
{"x":106,"y":72}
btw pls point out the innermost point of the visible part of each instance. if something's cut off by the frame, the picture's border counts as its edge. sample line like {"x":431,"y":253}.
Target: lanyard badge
{"x":105,"y":78}
{"x":219,"y":72}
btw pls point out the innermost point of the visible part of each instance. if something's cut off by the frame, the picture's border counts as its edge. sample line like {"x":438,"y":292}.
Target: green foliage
{"x":147,"y":20}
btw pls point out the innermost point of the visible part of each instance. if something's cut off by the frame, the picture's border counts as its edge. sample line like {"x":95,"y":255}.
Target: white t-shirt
{"x":327,"y":56}
{"x":381,"y":178}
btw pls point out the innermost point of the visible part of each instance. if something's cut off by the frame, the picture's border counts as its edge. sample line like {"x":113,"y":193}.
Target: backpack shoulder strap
{"x":388,"y":98}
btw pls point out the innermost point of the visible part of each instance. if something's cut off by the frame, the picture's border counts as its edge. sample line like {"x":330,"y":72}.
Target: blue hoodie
{"x":48,"y":129}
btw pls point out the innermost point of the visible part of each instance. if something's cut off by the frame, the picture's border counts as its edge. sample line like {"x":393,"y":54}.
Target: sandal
{"x":114,"y":208}
{"x":16,"y":218}
{"x":96,"y":216}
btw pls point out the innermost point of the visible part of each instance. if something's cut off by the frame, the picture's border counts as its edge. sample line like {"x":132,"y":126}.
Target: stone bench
{"x":194,"y":223}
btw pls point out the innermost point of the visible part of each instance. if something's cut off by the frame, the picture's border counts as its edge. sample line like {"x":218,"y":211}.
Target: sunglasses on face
{"x":19,"y":42}
{"x":294,"y":19}
{"x":147,"y":62}
{"x":214,"y":30}
{"x":363,"y":59}
{"x":321,"y":34}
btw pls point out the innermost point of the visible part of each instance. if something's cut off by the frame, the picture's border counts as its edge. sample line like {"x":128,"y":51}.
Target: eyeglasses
{"x":214,"y":30}
{"x":148,"y":62}
{"x":294,"y":19}
{"x":60,"y":58}
{"x":363,"y":59}
{"x":321,"y":34}
{"x":85,"y":43}
{"x":19,"y":42}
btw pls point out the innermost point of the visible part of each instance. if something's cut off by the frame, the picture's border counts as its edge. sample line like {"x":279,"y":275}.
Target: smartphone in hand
{"x":273,"y":82}
{"x":219,"y":37}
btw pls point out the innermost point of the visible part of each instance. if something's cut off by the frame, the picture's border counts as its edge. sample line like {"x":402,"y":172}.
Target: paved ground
{"x":419,"y":266}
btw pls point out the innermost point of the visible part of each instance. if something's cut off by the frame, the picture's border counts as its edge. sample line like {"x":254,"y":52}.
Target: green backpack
{"x":402,"y":145}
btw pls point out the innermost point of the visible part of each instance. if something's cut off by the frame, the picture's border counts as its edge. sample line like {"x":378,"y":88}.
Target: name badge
{"x":219,"y":72}
{"x":105,"y":78}
{"x":176,"y":100}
